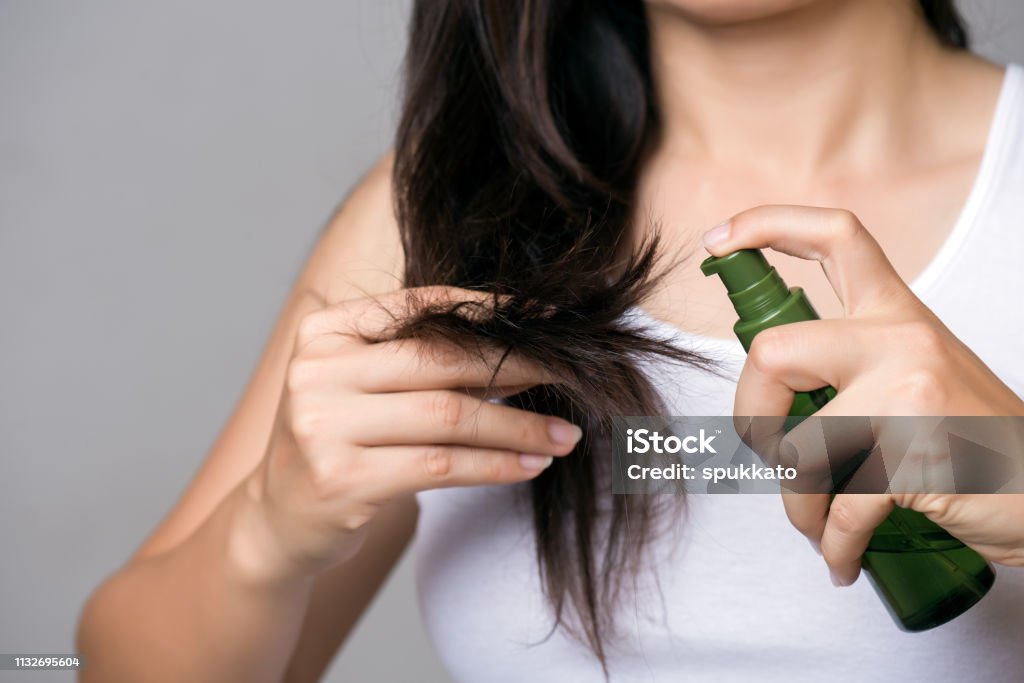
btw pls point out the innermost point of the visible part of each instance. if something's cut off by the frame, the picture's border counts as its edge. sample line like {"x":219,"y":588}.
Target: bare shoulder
{"x":360,"y":251}
{"x":358,"y":254}
{"x":971,"y":89}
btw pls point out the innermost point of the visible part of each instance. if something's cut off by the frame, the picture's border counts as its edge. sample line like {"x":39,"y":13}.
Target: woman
{"x":540,"y":145}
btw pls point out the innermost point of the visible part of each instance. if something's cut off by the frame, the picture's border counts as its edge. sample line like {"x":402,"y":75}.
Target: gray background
{"x":164,"y":171}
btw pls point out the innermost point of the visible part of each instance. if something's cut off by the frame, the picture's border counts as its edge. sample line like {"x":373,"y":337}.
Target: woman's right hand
{"x":362,"y":423}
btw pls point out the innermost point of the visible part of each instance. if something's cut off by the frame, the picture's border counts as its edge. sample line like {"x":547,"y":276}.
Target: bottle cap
{"x":738,"y":270}
{"x":753,"y":284}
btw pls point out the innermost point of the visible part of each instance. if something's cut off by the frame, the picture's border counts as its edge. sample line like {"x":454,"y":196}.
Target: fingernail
{"x":717,"y":234}
{"x":837,"y":581}
{"x":535,"y":462}
{"x":563,"y":432}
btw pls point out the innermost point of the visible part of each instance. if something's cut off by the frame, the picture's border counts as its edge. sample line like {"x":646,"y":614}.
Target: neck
{"x":830,"y":87}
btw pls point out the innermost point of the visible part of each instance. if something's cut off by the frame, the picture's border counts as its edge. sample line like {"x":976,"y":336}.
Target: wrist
{"x":254,"y":553}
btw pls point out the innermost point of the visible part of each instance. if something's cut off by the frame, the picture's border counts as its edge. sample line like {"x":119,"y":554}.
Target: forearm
{"x":198,"y":612}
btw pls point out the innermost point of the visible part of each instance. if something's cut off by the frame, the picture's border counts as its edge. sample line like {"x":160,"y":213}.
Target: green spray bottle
{"x":924,"y":575}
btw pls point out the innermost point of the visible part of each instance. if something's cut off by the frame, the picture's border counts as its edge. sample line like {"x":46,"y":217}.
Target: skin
{"x":876,"y":119}
{"x":863,"y":80}
{"x":922,"y":370}
{"x":294,"y":520}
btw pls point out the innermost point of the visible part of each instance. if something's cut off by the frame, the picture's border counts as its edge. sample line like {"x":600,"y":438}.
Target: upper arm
{"x":359,"y":253}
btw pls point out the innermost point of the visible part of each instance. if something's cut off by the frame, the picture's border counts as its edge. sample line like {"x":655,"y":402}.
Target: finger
{"x":398,"y":470}
{"x":810,"y":448}
{"x":917,"y":453}
{"x":820,"y":449}
{"x":370,"y":318}
{"x":413,"y":365}
{"x":937,"y":466}
{"x":452,"y":417}
{"x":497,"y":392}
{"x":852,"y":518}
{"x":783,"y":360}
{"x":799,"y":356}
{"x":824,"y":448}
{"x":807,"y":512}
{"x":853,"y":262}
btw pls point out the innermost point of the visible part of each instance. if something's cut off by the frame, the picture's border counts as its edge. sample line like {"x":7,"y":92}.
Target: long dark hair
{"x":524,"y":127}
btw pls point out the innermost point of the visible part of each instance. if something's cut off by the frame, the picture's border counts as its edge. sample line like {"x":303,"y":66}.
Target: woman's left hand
{"x":889,"y":355}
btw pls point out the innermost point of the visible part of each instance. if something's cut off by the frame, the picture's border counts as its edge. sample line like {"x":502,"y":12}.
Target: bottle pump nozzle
{"x":757,"y":292}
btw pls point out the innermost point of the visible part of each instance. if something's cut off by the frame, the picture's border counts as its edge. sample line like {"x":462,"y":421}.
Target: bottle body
{"x":924,"y":576}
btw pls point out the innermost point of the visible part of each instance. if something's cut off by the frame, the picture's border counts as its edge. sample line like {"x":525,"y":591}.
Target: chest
{"x":909,"y":212}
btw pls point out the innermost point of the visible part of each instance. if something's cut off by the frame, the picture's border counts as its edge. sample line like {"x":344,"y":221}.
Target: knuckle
{"x":335,"y":318}
{"x":844,"y":224}
{"x":844,"y":522}
{"x":939,"y":506}
{"x":923,"y":391}
{"x":306,"y":427}
{"x":438,"y":461}
{"x":445,"y":409}
{"x":330,"y":476}
{"x":923,"y":338}
{"x":768,"y":351}
{"x":842,"y":518}
{"x":935,"y":505}
{"x":311,"y":324}
{"x":302,"y":375}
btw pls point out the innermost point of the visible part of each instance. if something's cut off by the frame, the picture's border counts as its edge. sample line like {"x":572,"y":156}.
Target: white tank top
{"x":736,"y":594}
